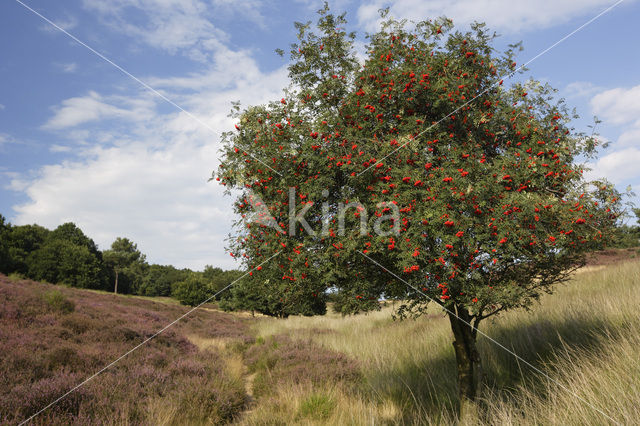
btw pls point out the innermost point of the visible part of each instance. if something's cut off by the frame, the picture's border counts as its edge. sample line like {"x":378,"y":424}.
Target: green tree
{"x":627,"y":235}
{"x":159,"y":279}
{"x":246,"y":297}
{"x":218,"y":279}
{"x":5,"y":234}
{"x":470,"y":191}
{"x":70,"y":232}
{"x":66,"y":256}
{"x":192,"y":291}
{"x":22,"y":241}
{"x":635,"y":229}
{"x":63,"y":262}
{"x":211,"y":272}
{"x":274,"y":298}
{"x":124,"y":259}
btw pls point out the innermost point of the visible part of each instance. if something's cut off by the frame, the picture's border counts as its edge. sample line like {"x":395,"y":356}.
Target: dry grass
{"x":583,"y":337}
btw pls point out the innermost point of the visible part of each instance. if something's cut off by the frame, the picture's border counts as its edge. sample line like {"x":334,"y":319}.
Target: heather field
{"x":203,"y":370}
{"x":214,"y":367}
{"x":52,"y":338}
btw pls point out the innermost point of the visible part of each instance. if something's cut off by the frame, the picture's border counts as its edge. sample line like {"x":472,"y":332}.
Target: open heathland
{"x":213,"y":367}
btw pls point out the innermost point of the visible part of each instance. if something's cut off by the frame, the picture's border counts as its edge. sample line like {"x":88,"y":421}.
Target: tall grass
{"x":582,"y":337}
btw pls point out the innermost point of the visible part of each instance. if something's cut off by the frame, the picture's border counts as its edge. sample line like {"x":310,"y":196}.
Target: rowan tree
{"x":420,"y":159}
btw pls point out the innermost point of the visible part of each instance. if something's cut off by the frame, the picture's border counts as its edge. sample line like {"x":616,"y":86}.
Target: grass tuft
{"x":58,"y":302}
{"x":317,"y":406}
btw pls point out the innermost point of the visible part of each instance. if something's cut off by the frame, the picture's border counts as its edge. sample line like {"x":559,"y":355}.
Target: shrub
{"x":62,"y":356}
{"x":16,"y":276}
{"x":58,"y":303}
{"x":192,"y":291}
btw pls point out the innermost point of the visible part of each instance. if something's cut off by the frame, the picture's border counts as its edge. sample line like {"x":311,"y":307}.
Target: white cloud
{"x":160,"y":199}
{"x":580,"y":89}
{"x":67,"y":67}
{"x":511,"y":16}
{"x":16,"y":183}
{"x":6,"y":139}
{"x":617,"y":167}
{"x":217,"y":77}
{"x":94,"y":107}
{"x":2,"y":107}
{"x":143,"y":175}
{"x":171,"y":25}
{"x":618,"y":106}
{"x":176,"y":26}
{"x":630,"y":137}
{"x":67,"y":23}
{"x":621,"y":107}
{"x":248,"y":9}
{"x":60,"y":148}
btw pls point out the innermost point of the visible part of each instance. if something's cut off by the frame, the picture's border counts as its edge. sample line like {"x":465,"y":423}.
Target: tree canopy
{"x":419,"y":161}
{"x":21,"y":241}
{"x":192,"y":291}
{"x":65,"y":256}
{"x":127,"y":262}
{"x":158,"y":280}
{"x":5,"y":233}
{"x":68,"y":256}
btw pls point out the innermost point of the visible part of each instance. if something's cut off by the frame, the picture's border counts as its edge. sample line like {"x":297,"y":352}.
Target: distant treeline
{"x":628,"y":235}
{"x":67,"y":256}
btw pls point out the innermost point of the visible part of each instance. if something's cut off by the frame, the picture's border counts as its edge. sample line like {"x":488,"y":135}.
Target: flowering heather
{"x":52,"y":338}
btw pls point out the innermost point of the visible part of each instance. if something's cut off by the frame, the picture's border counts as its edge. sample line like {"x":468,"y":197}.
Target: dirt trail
{"x":234,"y":363}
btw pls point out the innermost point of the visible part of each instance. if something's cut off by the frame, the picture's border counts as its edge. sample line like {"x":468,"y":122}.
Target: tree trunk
{"x":115,"y":288}
{"x":468,"y":364}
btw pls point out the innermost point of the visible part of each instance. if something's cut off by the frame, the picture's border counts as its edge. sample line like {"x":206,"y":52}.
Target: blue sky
{"x":80,"y":141}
